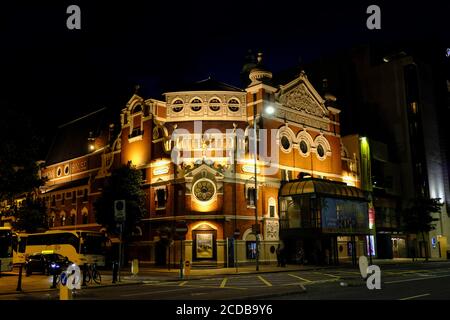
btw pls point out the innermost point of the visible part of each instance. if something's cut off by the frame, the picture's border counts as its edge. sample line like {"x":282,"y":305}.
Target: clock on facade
{"x":204,"y":190}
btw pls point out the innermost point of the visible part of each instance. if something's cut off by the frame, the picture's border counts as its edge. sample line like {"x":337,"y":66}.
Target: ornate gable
{"x":300,"y":95}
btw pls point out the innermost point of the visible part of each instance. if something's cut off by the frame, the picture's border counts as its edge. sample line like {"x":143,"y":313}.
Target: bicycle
{"x":92,"y":274}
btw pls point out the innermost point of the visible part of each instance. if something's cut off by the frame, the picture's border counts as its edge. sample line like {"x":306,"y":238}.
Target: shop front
{"x":323,"y":222}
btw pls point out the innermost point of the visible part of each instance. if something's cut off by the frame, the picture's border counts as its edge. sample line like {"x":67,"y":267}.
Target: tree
{"x":19,"y":148}
{"x":31,"y":216}
{"x":418,"y":218}
{"x":123,"y":184}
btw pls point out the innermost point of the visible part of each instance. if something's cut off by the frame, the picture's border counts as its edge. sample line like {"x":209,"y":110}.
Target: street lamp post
{"x":269,"y":110}
{"x":256,"y":187}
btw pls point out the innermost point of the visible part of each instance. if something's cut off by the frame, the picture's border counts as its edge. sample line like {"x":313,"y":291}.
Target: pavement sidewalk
{"x":40,"y":283}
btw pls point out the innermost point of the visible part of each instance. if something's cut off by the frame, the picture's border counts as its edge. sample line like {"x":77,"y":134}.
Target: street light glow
{"x":270,"y":110}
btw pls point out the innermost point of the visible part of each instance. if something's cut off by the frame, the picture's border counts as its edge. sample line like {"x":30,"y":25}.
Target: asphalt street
{"x":399,"y":282}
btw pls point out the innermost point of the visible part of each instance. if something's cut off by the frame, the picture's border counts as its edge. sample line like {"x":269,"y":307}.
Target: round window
{"x":320,"y":151}
{"x":285,"y":143}
{"x":204,"y":190}
{"x":196,"y":105}
{"x":214,"y":104}
{"x":58,"y":172}
{"x":66,"y":170}
{"x":303,"y":147}
{"x":177,"y":106}
{"x":233,"y":105}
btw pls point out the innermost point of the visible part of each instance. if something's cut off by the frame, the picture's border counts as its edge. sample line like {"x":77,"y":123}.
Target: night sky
{"x":53,"y":74}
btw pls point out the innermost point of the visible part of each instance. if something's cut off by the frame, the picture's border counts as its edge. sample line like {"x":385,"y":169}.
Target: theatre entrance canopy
{"x":323,"y":206}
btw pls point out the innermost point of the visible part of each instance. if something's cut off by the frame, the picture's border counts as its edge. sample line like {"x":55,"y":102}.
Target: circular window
{"x":303,"y":147}
{"x":196,"y":105}
{"x":285,"y":143}
{"x":214,"y":104}
{"x":320,"y":151}
{"x":59,"y":172}
{"x":233,"y":105}
{"x":204,"y":190}
{"x":177,"y":106}
{"x":66,"y":170}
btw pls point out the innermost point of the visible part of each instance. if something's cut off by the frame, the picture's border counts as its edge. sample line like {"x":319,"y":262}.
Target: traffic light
{"x":119,"y":210}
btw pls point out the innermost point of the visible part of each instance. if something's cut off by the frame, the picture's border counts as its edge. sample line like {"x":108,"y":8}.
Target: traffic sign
{"x":181,"y":228}
{"x":63,"y":278}
{"x":74,"y":277}
{"x":119,"y":210}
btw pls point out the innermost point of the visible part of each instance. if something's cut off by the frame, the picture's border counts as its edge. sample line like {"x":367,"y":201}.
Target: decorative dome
{"x":259,"y":73}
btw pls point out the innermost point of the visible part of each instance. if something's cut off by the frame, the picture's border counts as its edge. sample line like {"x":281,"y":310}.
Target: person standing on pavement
{"x":283,"y":257}
{"x":278,"y":251}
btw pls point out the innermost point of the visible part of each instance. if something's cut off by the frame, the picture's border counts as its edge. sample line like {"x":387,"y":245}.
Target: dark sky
{"x":54,"y":74}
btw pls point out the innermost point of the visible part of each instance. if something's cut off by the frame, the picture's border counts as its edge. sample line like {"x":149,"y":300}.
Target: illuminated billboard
{"x":344,"y":216}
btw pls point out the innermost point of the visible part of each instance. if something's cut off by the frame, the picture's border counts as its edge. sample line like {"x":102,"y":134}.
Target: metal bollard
{"x":53,"y":281}
{"x":115,"y":269}
{"x":84,"y":275}
{"x":19,"y":281}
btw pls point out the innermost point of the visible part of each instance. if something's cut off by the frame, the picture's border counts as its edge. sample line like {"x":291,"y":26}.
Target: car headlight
{"x":53,"y":265}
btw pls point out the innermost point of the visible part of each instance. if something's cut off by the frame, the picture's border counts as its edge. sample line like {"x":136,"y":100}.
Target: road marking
{"x":328,"y":274}
{"x":417,"y":279}
{"x":224,"y":282}
{"x":303,"y":279}
{"x":153,"y":292}
{"x":413,"y":297}
{"x":350,"y":272}
{"x":183,"y":283}
{"x":267,"y":283}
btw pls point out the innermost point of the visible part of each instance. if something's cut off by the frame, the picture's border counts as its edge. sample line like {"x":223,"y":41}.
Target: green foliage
{"x":418,"y":218}
{"x":31,"y":216}
{"x":123,"y":184}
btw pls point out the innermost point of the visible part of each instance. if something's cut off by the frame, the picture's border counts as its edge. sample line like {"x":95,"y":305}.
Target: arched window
{"x":136,"y":109}
{"x":323,"y":148}
{"x":233,"y":105}
{"x":304,"y":147}
{"x":85,"y":215}
{"x":73,"y":217}
{"x":285,"y":143}
{"x":286,"y":139}
{"x":62,"y":219}
{"x":51,"y":220}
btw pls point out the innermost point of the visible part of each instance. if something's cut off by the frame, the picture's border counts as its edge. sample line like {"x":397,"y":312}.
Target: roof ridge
{"x":82,"y":117}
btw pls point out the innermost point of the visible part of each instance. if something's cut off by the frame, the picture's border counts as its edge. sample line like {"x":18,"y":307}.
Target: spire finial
{"x":259,"y":57}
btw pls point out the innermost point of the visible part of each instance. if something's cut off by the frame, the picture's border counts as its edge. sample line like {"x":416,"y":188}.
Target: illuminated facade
{"x":208,"y":128}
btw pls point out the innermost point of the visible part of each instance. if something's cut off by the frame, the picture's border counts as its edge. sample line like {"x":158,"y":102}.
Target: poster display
{"x":204,"y":246}
{"x":344,"y":216}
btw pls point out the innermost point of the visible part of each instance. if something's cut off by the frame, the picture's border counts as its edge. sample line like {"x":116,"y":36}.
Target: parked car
{"x":46,"y":263}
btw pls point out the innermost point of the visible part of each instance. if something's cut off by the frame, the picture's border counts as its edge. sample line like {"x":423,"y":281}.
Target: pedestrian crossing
{"x":291,"y":278}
